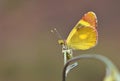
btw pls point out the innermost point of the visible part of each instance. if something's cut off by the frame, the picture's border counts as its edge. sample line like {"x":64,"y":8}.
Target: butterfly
{"x":84,"y":34}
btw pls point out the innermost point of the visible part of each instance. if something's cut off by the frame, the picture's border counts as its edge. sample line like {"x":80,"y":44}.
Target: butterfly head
{"x":61,"y":42}
{"x":64,"y":44}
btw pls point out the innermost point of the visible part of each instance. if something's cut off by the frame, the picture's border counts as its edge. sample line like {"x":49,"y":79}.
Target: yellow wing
{"x":84,"y":35}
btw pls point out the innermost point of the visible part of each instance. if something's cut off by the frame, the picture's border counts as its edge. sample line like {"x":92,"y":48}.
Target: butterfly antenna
{"x":57,"y":33}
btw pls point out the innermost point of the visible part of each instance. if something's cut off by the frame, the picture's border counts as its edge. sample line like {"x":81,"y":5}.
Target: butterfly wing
{"x":84,"y":35}
{"x":90,"y":18}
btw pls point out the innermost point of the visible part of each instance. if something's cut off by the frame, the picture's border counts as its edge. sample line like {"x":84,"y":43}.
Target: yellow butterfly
{"x":84,"y":35}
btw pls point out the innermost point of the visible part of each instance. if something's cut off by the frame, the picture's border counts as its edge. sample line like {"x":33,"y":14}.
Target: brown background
{"x":30,"y":52}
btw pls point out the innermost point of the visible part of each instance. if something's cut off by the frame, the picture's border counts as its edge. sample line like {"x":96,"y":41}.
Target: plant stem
{"x":103,"y":59}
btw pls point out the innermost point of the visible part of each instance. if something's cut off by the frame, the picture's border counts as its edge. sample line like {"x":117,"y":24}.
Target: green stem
{"x":103,"y":59}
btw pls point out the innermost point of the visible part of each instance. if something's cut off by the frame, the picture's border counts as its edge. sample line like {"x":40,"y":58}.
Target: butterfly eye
{"x":61,"y":42}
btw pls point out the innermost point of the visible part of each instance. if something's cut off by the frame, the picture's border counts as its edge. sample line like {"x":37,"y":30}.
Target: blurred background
{"x":30,"y":52}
